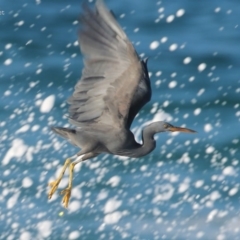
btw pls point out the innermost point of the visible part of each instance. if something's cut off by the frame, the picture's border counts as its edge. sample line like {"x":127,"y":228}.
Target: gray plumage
{"x":113,"y":88}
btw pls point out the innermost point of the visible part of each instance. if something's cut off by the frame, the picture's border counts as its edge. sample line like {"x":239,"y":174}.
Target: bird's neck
{"x":148,"y":143}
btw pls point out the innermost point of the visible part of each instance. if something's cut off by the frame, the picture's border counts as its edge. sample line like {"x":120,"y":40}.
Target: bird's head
{"x":170,"y":128}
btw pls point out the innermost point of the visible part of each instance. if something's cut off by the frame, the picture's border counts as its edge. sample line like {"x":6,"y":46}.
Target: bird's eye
{"x":167,"y":125}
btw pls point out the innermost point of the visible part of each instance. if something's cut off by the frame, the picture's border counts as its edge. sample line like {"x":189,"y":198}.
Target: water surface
{"x":188,"y":188}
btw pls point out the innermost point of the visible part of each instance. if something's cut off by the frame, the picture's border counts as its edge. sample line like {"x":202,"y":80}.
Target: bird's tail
{"x":63,"y":132}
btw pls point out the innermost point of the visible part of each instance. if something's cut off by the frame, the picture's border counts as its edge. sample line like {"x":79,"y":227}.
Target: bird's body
{"x":94,"y":140}
{"x":118,"y":142}
{"x":113,"y":88}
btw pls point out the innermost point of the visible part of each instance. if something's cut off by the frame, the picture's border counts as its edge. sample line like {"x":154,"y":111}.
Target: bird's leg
{"x":54,"y":184}
{"x":67,"y":192}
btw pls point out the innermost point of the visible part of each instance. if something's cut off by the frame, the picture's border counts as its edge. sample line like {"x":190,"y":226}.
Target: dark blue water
{"x":188,"y":188}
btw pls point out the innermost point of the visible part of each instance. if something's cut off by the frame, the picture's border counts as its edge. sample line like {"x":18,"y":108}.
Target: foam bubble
{"x":172,"y":84}
{"x":47,"y":104}
{"x":208,"y":127}
{"x":20,"y":23}
{"x":201,"y":67}
{"x":8,"y":61}
{"x":199,"y":183}
{"x":210,"y":149}
{"x":8,"y":46}
{"x":23,"y":129}
{"x":187,"y":60}
{"x":173,"y":47}
{"x":180,"y":12}
{"x":114,"y":181}
{"x":39,"y":71}
{"x":229,"y":170}
{"x":27,"y":182}
{"x":211,"y":215}
{"x":215,"y":195}
{"x":25,"y":236}
{"x":200,"y":92}
{"x":170,"y":18}
{"x":154,"y":45}
{"x":112,"y":218}
{"x":18,"y":149}
{"x":197,"y":111}
{"x":7,"y":93}
{"x":233,"y":191}
{"x":44,"y":228}
{"x":164,"y":39}
{"x":112,"y":205}
{"x":74,"y":235}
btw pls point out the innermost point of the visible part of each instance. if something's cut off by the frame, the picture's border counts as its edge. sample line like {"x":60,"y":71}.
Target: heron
{"x":114,"y":86}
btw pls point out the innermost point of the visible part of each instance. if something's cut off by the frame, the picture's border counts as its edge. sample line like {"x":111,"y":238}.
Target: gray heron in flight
{"x":113,"y":88}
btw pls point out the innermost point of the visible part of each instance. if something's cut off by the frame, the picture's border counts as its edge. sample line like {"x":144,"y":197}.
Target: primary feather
{"x":114,"y":85}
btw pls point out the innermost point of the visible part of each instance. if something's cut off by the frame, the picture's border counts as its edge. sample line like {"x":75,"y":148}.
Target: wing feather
{"x":107,"y":90}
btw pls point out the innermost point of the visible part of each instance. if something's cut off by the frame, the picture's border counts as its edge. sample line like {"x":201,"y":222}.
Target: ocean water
{"x":187,"y":188}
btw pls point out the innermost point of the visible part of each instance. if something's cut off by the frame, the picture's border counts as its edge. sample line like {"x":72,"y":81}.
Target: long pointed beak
{"x":180,"y":129}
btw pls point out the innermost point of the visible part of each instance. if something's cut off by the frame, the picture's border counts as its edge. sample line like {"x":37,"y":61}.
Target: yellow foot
{"x":54,"y":186}
{"x":67,"y":194}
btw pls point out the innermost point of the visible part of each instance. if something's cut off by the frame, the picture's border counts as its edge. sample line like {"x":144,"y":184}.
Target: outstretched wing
{"x":141,"y":96}
{"x":111,"y":75}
